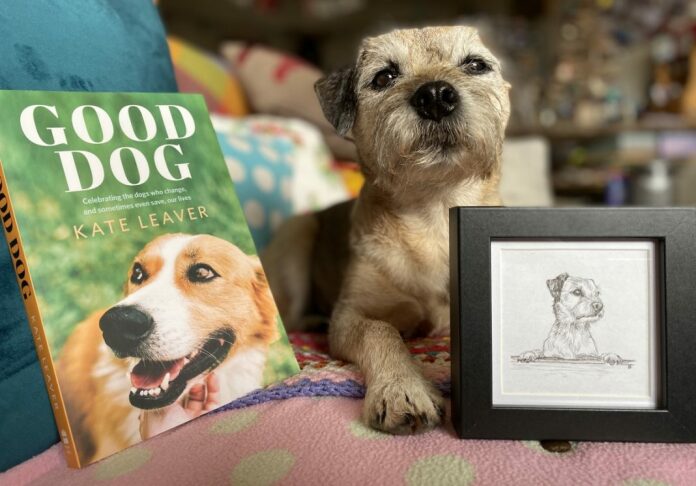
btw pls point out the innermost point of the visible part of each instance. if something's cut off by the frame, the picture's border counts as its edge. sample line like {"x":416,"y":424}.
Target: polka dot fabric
{"x":279,"y":167}
{"x":258,"y":166}
{"x":321,"y":440}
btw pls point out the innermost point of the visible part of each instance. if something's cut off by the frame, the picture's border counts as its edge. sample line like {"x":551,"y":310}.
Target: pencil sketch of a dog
{"x":427,"y":109}
{"x":576,"y":306}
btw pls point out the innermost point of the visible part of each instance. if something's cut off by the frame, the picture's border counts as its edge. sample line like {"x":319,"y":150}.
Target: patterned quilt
{"x":307,"y":430}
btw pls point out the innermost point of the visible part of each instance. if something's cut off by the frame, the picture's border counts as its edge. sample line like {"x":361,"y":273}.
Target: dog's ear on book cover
{"x":338,"y":99}
{"x":265,"y":304}
{"x":555,"y":285}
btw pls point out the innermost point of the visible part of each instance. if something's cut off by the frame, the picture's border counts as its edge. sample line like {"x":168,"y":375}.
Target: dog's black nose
{"x":124,"y":327}
{"x":435,"y":100}
{"x":597,"y":306}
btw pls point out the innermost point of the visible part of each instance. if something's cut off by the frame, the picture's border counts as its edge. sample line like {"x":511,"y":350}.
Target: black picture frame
{"x":471,"y":232}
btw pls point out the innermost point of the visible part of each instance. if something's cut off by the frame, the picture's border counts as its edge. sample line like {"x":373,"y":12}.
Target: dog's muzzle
{"x":124,"y":328}
{"x":435,"y":100}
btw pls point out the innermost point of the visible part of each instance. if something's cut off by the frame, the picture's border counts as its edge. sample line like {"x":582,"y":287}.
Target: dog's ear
{"x":338,"y":99}
{"x":268,"y":330}
{"x":555,"y":285}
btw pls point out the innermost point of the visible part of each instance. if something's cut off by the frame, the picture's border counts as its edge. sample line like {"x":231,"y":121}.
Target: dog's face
{"x":426,"y":99}
{"x":576,"y":298}
{"x":191,"y":301}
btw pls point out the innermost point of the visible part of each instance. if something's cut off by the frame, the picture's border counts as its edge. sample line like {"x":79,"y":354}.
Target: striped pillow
{"x":199,"y":72}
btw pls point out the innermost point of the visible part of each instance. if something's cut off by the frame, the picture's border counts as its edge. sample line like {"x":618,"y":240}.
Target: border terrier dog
{"x":427,"y":109}
{"x":576,"y":305}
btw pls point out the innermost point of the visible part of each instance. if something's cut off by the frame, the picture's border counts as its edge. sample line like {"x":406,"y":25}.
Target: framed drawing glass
{"x":574,"y":324}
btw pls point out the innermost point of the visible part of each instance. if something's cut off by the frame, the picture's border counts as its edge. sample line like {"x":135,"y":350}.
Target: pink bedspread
{"x":307,"y":431}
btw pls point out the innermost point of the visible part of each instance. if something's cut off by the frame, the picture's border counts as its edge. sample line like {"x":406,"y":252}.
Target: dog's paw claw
{"x":382,"y":415}
{"x":388,"y":408}
{"x":409,"y":420}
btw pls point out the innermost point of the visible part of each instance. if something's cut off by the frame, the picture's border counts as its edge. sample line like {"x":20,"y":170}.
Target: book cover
{"x":145,"y":297}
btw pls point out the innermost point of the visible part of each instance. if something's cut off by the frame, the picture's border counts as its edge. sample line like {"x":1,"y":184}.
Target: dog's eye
{"x":138,"y":275}
{"x":475,"y":65}
{"x":577,"y":293}
{"x":385,"y":78}
{"x":200,"y":272}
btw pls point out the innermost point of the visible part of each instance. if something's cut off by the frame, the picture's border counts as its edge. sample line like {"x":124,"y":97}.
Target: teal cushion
{"x":84,"y":45}
{"x":80,"y":45}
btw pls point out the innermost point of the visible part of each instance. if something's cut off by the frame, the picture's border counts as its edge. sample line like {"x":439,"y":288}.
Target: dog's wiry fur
{"x":396,"y":281}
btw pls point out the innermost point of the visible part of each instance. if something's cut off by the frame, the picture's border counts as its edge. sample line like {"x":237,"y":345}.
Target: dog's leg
{"x":287,"y":262}
{"x":398,"y":400}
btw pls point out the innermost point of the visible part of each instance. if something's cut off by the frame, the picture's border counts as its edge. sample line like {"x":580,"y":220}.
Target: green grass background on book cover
{"x":74,"y":278}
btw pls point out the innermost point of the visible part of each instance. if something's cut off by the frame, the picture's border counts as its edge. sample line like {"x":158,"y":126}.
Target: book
{"x":145,"y":297}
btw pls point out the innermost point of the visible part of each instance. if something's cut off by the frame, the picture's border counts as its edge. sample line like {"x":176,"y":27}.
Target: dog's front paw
{"x":612,"y":358}
{"x":528,"y":356}
{"x":402,"y":406}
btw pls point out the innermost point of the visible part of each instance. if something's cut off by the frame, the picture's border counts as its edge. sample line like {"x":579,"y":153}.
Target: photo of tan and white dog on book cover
{"x":147,"y":302}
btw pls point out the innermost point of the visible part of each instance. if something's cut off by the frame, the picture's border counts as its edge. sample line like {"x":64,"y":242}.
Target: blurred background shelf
{"x":569,"y":130}
{"x":608,"y":85}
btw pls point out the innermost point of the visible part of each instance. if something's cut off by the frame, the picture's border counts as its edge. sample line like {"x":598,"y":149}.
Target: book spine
{"x":26,"y":286}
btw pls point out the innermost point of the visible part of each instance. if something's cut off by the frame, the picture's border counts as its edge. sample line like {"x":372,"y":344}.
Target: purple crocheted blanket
{"x":321,"y":376}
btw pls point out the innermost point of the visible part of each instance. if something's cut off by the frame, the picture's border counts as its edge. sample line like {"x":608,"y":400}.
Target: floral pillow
{"x":283,"y":85}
